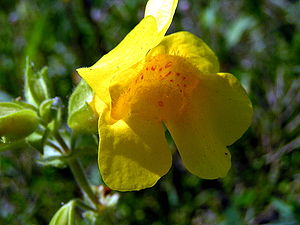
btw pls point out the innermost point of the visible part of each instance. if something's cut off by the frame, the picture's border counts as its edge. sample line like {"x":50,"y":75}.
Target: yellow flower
{"x":151,"y":81}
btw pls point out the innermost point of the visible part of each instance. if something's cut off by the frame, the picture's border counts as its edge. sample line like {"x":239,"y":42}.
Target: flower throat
{"x":160,"y":90}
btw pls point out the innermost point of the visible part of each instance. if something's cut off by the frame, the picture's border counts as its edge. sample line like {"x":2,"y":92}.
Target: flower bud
{"x":16,"y":122}
{"x":36,"y":85}
{"x":65,"y":215}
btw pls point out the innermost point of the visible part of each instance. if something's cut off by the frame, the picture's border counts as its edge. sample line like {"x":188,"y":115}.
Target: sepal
{"x":37,"y":85}
{"x":65,"y":215}
{"x":81,"y":116}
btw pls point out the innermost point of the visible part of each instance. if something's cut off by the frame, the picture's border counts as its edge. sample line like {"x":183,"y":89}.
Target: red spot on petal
{"x":184,"y":85}
{"x":153,"y":68}
{"x":160,"y":69}
{"x":183,"y":78}
{"x":169,"y":64}
{"x":147,"y":68}
{"x":177,"y":74}
{"x":168,"y":74}
{"x":142,"y":77}
{"x":171,"y":80}
{"x":160,"y":103}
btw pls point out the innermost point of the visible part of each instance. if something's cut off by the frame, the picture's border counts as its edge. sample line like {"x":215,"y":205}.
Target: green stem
{"x":62,"y":142}
{"x":78,"y":173}
{"x":55,"y":146}
{"x":82,"y":181}
{"x":84,"y":206}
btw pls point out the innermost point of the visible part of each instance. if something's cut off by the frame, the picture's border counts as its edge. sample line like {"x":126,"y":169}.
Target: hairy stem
{"x":82,"y":181}
{"x":78,"y":173}
{"x":84,"y":206}
{"x":62,"y":143}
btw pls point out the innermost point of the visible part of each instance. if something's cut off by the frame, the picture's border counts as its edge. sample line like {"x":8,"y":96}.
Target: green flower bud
{"x":16,"y":122}
{"x":65,"y":215}
{"x":36,"y":85}
{"x":50,"y":110}
{"x":82,"y":117}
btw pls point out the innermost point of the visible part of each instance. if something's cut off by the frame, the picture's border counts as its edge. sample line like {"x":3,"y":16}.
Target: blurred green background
{"x":258,"y":41}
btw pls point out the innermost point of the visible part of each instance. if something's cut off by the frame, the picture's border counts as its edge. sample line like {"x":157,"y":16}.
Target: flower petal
{"x":131,"y":50}
{"x":97,"y":105}
{"x":121,"y":82}
{"x":133,"y":154}
{"x":218,"y":114}
{"x":163,"y":11}
{"x":191,"y":48}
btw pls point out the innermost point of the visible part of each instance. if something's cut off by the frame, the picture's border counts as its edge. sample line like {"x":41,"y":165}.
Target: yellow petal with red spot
{"x":163,"y":11}
{"x":191,"y":48}
{"x":133,"y":153}
{"x":182,"y":44}
{"x":159,"y":91}
{"x":218,"y":113}
{"x":121,"y":82}
{"x":131,"y":50}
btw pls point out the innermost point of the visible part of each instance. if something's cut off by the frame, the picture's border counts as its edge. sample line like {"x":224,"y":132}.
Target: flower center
{"x":161,"y":90}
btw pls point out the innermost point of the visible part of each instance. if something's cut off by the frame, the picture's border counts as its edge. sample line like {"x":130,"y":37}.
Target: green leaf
{"x":238,"y":28}
{"x":36,"y":85}
{"x":24,"y":105}
{"x":16,"y":122}
{"x":65,"y":215}
{"x":82,"y":117}
{"x":210,"y":15}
